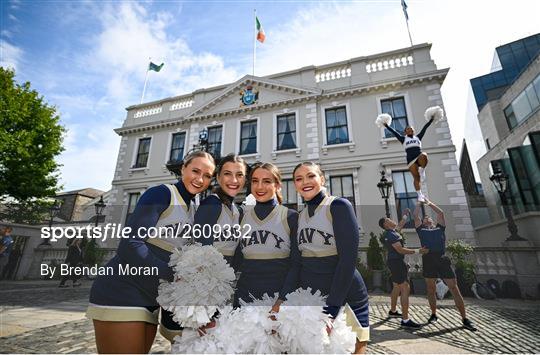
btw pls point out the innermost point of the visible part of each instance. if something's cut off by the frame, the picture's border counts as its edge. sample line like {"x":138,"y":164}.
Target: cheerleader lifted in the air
{"x":416,"y":159}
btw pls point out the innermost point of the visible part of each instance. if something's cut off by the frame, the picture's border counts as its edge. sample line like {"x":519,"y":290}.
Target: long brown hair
{"x":275,"y":173}
{"x":229,"y":158}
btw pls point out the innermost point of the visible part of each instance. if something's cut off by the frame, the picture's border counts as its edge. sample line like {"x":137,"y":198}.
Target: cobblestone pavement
{"x":500,"y":330}
{"x":40,"y":318}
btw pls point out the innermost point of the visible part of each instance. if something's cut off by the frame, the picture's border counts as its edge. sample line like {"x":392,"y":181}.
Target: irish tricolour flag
{"x":260,"y":32}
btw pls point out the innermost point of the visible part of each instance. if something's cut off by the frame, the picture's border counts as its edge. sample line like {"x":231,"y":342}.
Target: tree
{"x":30,"y":139}
{"x":374,"y":254}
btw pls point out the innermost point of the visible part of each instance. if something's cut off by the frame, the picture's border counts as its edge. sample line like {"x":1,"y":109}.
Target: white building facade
{"x":323,"y":114}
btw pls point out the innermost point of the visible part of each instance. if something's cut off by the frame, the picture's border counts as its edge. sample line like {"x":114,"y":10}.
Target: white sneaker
{"x":421,"y":197}
{"x":422,"y":172}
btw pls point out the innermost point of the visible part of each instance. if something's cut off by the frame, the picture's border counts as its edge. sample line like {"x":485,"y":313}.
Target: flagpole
{"x":406,"y":15}
{"x":409,"y":31}
{"x":145,"y":80}
{"x":254,"y":39}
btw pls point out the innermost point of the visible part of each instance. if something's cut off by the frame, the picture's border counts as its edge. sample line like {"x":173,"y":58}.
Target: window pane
{"x":177,"y":146}
{"x":536,"y":84}
{"x":399,"y":108}
{"x":521,"y":106}
{"x":531,"y":95}
{"x":386,"y":107}
{"x":409,"y":182}
{"x":214,"y":140}
{"x":335,"y":186}
{"x":133,"y":199}
{"x":341,"y":117}
{"x":248,"y":137}
{"x":347,"y":185}
{"x":330,"y":118}
{"x":286,"y":141}
{"x":399,"y":182}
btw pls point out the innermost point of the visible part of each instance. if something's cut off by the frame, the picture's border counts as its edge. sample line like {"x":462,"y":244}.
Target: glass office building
{"x":513,"y":58}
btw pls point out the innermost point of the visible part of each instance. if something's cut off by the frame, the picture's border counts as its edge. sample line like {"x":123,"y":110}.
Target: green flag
{"x":155,"y":67}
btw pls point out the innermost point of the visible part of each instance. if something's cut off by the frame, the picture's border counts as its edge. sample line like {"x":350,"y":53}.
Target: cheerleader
{"x":268,"y":250}
{"x":123,"y":308}
{"x":327,"y":239}
{"x":416,"y":159}
{"x":219,"y":208}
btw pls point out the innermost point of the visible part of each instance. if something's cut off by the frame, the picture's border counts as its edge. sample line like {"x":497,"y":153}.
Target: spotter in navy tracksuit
{"x":212,"y":211}
{"x":328,"y":238}
{"x":269,"y":254}
{"x":133,"y":298}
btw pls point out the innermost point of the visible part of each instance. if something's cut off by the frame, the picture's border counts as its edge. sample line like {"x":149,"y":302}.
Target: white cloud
{"x":10,"y":55}
{"x":130,"y":37}
{"x":119,"y":54}
{"x":91,"y":164}
{"x":6,"y":33}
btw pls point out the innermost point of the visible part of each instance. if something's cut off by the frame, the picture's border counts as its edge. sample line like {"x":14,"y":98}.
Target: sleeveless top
{"x":316,"y":233}
{"x":172,"y":223}
{"x":268,"y":238}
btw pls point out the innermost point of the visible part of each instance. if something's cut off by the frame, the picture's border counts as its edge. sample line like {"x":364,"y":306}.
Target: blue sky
{"x":89,"y":58}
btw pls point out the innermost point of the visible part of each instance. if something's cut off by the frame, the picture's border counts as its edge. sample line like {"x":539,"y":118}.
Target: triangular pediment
{"x":268,"y":91}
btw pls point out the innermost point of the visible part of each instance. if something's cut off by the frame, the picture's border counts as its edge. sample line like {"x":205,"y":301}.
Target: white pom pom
{"x":250,"y":200}
{"x":383,"y":119}
{"x":302,"y":323}
{"x":342,"y":338}
{"x":203,"y":283}
{"x":435,"y":112}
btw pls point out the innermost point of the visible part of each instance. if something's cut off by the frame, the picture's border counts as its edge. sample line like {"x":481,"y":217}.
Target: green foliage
{"x":364,"y":271}
{"x":374,"y":254}
{"x":460,"y":253}
{"x":93,"y":254}
{"x":30,"y":139}
{"x":29,"y":211}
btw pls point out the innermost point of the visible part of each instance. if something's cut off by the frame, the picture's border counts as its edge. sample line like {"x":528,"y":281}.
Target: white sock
{"x":422,"y":172}
{"x":404,"y":320}
{"x":420,"y":196}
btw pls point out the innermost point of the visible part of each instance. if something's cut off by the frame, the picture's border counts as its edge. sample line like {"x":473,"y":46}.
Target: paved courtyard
{"x":38,"y":317}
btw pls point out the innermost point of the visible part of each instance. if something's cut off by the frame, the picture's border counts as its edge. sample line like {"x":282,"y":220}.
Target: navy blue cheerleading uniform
{"x":119,"y":297}
{"x":212,"y":210}
{"x":328,"y":239}
{"x":413,"y":144}
{"x":269,"y":254}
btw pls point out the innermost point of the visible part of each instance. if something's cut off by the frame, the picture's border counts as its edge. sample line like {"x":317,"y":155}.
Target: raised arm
{"x":438,"y":211}
{"x":417,"y":218}
{"x":404,"y":219}
{"x":396,"y":134}
{"x":423,"y":131}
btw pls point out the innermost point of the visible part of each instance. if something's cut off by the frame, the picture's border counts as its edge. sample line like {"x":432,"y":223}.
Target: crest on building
{"x":248,"y":96}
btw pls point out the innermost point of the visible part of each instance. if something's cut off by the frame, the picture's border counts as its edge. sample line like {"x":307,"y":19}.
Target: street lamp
{"x":500,"y":180}
{"x":384,"y":188}
{"x":100,"y":206}
{"x":53,"y":212}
